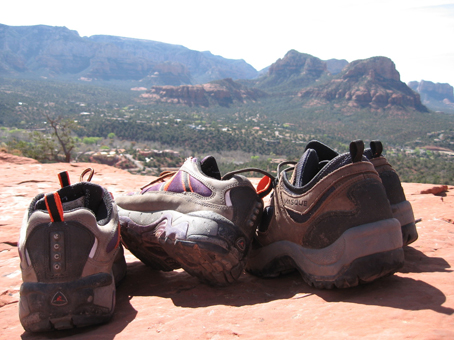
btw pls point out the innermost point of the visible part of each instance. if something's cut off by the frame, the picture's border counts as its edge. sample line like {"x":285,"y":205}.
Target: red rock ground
{"x":415,"y":303}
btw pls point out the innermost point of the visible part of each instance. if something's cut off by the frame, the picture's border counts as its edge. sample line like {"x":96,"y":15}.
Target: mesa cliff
{"x":223,"y":93}
{"x":57,"y":52}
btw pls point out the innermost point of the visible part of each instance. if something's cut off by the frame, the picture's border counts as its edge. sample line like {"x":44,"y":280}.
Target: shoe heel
{"x":83,"y":302}
{"x":404,"y":213}
{"x":55,"y":295}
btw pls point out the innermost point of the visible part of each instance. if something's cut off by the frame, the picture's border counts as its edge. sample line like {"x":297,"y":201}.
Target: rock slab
{"x":415,"y":303}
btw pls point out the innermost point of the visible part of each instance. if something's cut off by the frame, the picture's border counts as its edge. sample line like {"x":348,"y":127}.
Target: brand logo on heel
{"x":241,"y":244}
{"x":59,"y":299}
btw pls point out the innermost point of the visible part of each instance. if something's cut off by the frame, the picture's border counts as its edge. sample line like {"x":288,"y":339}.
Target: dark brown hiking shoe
{"x":71,"y":258}
{"x":331,"y":221}
{"x":193,"y":219}
{"x":400,"y":207}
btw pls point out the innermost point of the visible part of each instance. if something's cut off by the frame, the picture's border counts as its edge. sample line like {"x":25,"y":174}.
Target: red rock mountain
{"x":370,"y":83}
{"x":295,"y":71}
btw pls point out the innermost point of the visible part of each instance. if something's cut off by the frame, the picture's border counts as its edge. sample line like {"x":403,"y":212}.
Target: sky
{"x":417,"y":35}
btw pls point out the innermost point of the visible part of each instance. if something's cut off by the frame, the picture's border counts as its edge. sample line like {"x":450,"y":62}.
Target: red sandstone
{"x":415,"y":303}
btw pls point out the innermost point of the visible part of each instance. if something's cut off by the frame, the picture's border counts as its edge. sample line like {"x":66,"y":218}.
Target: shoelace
{"x":234,"y":172}
{"x":163,"y":175}
{"x":90,"y":173}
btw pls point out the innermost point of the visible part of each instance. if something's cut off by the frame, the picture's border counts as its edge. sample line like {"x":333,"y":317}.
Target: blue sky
{"x":416,"y":34}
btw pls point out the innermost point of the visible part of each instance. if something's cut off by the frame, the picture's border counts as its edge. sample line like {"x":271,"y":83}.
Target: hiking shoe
{"x":331,"y":221}
{"x":193,"y":219}
{"x":400,"y":207}
{"x":71,"y":258}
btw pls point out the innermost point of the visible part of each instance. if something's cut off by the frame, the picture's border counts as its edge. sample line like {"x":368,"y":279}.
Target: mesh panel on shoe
{"x":326,"y":169}
{"x":306,"y":169}
{"x":335,"y":164}
{"x":324,"y":152}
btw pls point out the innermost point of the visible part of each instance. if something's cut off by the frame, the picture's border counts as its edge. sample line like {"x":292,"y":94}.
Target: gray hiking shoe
{"x":193,"y":219}
{"x":71,"y":258}
{"x":400,"y":207}
{"x":331,"y":221}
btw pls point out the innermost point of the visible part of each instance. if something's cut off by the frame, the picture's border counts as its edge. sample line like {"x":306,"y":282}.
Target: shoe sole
{"x":362,"y":254}
{"x":138,"y":236}
{"x":215,"y":253}
{"x":404,"y":213}
{"x":79,"y":303}
{"x":214,"y":260}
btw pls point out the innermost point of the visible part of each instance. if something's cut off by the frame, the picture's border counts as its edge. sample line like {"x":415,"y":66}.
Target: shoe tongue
{"x":325,"y":153}
{"x":210,"y":167}
{"x":306,"y":168}
{"x":368,"y":153}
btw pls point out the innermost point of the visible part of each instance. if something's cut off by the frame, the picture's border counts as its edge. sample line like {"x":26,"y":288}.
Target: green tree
{"x":63,"y":131}
{"x":43,"y":147}
{"x":91,"y":140}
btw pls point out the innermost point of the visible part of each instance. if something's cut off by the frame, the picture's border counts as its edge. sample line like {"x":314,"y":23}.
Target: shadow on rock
{"x":186,"y":291}
{"x":393,"y":291}
{"x":418,"y":262}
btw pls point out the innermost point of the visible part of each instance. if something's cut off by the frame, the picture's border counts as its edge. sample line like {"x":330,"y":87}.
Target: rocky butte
{"x":370,"y":83}
{"x":294,"y":71}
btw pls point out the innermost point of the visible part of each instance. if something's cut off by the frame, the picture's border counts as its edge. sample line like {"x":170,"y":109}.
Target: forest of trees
{"x":90,"y":118}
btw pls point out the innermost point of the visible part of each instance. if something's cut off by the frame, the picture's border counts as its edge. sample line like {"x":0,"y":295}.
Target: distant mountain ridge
{"x":60,"y":52}
{"x":201,"y":78}
{"x":439,"y":96}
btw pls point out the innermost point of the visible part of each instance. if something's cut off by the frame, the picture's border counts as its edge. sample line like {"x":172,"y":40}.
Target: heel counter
{"x":368,"y":202}
{"x":390,"y":180}
{"x":247,"y":207}
{"x":58,"y":251}
{"x":393,"y":186}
